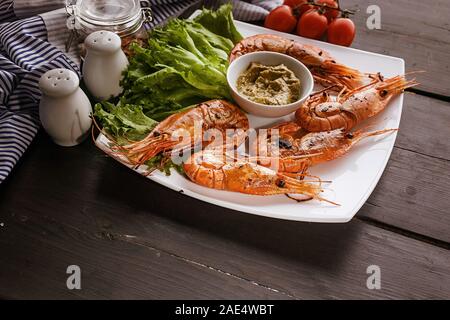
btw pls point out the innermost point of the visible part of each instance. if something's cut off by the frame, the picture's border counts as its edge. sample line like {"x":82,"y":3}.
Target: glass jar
{"x":127,"y":18}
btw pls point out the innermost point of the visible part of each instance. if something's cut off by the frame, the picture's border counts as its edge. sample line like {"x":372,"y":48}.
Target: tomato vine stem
{"x":344,"y":12}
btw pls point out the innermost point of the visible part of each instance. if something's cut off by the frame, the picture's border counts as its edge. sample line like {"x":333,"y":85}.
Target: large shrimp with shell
{"x":218,"y":115}
{"x":214,"y":169}
{"x":295,"y":150}
{"x":322,"y":112}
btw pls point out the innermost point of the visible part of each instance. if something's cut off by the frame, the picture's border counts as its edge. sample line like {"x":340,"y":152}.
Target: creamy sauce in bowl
{"x":270,"y":85}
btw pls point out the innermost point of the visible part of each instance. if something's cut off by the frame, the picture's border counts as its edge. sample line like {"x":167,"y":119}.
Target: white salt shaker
{"x":64,"y":108}
{"x":104,"y":64}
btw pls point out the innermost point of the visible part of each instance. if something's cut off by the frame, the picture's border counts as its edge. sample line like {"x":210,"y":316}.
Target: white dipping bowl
{"x":238,"y":66}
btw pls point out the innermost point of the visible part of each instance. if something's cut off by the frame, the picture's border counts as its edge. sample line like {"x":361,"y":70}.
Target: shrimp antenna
{"x":349,"y":93}
{"x":328,"y":201}
{"x":299,"y":183}
{"x":306,"y":175}
{"x":414,"y":72}
{"x":363,"y":133}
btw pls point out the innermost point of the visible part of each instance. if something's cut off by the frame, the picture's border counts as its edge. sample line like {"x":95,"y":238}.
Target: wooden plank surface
{"x":42,"y":233}
{"x":37,"y":252}
{"x":427,"y":20}
{"x":425,"y":126}
{"x":413,"y":195}
{"x":413,"y":192}
{"x":74,"y":206}
{"x":417,"y":31}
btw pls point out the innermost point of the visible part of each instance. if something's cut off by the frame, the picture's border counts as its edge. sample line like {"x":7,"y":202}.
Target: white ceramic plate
{"x":354,"y":176}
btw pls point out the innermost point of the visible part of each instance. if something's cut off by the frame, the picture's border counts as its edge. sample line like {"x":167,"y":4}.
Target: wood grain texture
{"x":427,"y":20}
{"x":43,"y":212}
{"x":76,"y":206}
{"x":417,"y":31}
{"x":39,"y":240}
{"x":413,"y":194}
{"x":413,"y":191}
{"x":425,"y":126}
{"x":35,"y":267}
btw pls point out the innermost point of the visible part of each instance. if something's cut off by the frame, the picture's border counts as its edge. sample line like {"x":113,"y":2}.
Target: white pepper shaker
{"x":104,"y":64}
{"x":64,"y":109}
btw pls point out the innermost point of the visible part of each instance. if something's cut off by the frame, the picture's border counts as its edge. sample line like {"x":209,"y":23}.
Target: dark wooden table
{"x":135,"y":239}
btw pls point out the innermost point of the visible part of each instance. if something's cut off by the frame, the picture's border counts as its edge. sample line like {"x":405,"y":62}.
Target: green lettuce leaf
{"x":125,"y":123}
{"x":220,"y":22}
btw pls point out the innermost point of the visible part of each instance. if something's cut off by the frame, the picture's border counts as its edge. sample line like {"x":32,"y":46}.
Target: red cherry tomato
{"x":341,"y":31}
{"x":330,"y":13}
{"x":300,"y":5}
{"x":312,"y":24}
{"x":282,"y":19}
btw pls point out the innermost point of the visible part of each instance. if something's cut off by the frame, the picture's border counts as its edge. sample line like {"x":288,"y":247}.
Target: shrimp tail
{"x":139,"y":152}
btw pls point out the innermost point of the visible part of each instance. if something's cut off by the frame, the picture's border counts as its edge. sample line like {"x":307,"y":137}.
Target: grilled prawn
{"x":322,"y":113}
{"x":296,"y":150}
{"x":218,"y":115}
{"x":215,"y":170}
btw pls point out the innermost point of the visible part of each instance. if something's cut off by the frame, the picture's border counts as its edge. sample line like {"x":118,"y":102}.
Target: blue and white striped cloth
{"x":31,"y":43}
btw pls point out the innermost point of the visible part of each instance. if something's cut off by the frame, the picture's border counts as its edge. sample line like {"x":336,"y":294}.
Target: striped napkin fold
{"x":32,"y":41}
